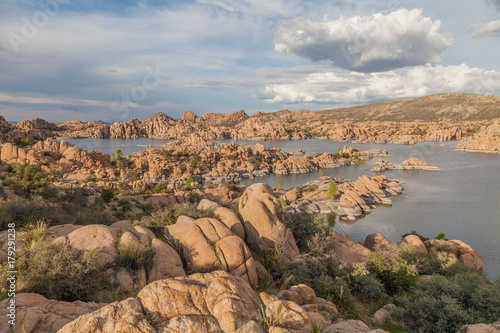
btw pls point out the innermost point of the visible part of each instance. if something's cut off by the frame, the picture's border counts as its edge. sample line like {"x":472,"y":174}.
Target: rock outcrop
{"x":210,"y":302}
{"x":487,"y":140}
{"x":36,"y":314}
{"x":263,"y":219}
{"x":207,"y":244}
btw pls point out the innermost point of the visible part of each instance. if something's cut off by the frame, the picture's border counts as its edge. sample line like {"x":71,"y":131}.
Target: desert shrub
{"x":33,"y":233}
{"x":107,"y":194}
{"x":27,"y":178}
{"x":56,"y":272}
{"x":166,"y":216}
{"x":124,"y":204}
{"x":96,"y":214}
{"x":161,"y":187}
{"x":332,"y":191}
{"x":135,"y":256}
{"x":413,"y":232}
{"x":194,"y":197}
{"x":159,"y":218}
{"x":393,"y":270}
{"x":283,"y":202}
{"x":444,"y":304}
{"x":22,"y":211}
{"x":189,"y":180}
{"x":442,"y":235}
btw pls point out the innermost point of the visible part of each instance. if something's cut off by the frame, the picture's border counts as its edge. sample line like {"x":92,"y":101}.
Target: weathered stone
{"x":95,"y":237}
{"x":416,"y":242}
{"x":36,"y":314}
{"x":375,"y":241}
{"x":167,"y":262}
{"x":263,"y":219}
{"x":118,"y":317}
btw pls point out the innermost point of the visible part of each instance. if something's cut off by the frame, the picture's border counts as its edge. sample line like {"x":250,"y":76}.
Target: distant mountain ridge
{"x":443,"y":107}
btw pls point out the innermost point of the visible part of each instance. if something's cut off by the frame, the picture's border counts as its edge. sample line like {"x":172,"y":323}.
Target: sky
{"x":113,"y":60}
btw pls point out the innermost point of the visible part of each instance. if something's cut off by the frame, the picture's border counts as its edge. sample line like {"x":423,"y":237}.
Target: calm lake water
{"x":463,"y":199}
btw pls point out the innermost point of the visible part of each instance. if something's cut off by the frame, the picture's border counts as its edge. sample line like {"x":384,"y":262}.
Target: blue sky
{"x":116,"y":60}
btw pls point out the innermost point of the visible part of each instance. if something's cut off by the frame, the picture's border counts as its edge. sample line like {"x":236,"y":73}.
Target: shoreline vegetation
{"x":166,"y":239}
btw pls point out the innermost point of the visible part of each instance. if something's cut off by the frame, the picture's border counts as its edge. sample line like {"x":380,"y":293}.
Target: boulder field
{"x":218,"y":295}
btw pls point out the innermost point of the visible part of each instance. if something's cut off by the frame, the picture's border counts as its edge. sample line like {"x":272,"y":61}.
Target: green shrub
{"x":442,"y":235}
{"x":135,"y":256}
{"x":161,"y":187}
{"x":189,"y":180}
{"x":413,"y":232}
{"x":279,"y":183}
{"x":33,"y":233}
{"x":107,"y":194}
{"x":96,"y":214}
{"x":332,"y":191}
{"x":22,"y":211}
{"x":444,"y":304}
{"x":283,"y":202}
{"x":57,"y":272}
{"x":394,"y":271}
{"x":28,"y":178}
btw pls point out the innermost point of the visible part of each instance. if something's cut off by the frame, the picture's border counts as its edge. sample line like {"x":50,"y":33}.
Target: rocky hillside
{"x":444,"y":107}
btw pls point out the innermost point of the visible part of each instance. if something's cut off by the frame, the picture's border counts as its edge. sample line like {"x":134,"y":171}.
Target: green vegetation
{"x":33,"y":233}
{"x":107,"y":194}
{"x":332,"y":191}
{"x":57,"y":272}
{"x":279,"y":183}
{"x":22,"y":142}
{"x":189,"y":180}
{"x":27,"y":178}
{"x":135,"y":256}
{"x":166,"y":216}
{"x":119,"y":153}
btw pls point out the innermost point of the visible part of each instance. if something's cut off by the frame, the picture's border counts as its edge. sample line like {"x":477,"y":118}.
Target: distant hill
{"x":443,"y":107}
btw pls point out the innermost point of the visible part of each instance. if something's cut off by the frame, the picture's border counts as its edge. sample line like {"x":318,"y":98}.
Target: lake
{"x":463,"y":199}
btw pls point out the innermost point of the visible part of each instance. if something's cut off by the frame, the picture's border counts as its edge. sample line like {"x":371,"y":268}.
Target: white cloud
{"x":487,"y":29}
{"x":366,"y":44}
{"x":351,"y":87}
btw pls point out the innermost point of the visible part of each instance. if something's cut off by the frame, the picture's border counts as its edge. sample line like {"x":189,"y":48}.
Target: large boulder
{"x":225,"y":215}
{"x":211,"y":302}
{"x":207,"y":244}
{"x":416,"y":243}
{"x":167,"y":262}
{"x":119,"y":317}
{"x":94,"y":237}
{"x":36,"y":314}
{"x":375,"y":241}
{"x":348,"y":252}
{"x":263,"y":219}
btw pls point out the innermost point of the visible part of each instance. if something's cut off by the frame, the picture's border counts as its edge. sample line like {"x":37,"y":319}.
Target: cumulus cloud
{"x":366,"y":44}
{"x":348,"y":87}
{"x":489,"y":29}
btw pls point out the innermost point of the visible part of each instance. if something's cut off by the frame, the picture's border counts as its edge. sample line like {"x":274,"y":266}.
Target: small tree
{"x":279,"y":184}
{"x":189,"y":180}
{"x":320,"y":173}
{"x":332,"y":191}
{"x":119,"y":153}
{"x":29,"y":178}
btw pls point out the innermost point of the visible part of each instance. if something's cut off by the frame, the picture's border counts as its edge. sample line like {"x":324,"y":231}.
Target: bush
{"x":22,"y":211}
{"x":161,"y":187}
{"x":28,"y":178}
{"x":93,"y":215}
{"x":107,"y":194}
{"x":444,"y":304}
{"x":165,"y":217}
{"x":135,"y":256}
{"x":332,"y":191}
{"x":393,"y":270}
{"x":279,"y":184}
{"x":33,"y":233}
{"x":56,"y":272}
{"x":189,"y":180}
